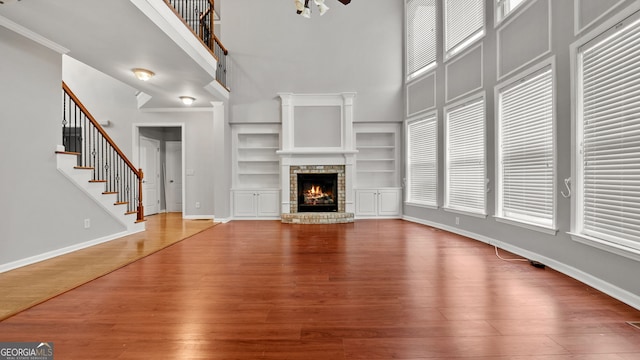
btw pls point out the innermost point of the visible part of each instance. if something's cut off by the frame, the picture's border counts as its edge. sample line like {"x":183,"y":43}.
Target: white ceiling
{"x":114,"y":36}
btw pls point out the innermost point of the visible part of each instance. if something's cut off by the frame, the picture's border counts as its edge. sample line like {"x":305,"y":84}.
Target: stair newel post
{"x":140,"y":206}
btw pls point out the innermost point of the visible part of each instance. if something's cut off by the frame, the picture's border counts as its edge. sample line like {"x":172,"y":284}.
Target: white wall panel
{"x":464,"y":74}
{"x":421,"y":95}
{"x":524,"y":38}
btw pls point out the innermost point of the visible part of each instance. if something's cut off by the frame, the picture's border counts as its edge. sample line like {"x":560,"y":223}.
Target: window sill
{"x":529,"y":226}
{"x":609,"y":246}
{"x":464,"y":212}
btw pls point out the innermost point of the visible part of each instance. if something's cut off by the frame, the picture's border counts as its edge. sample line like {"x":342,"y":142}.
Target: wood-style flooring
{"x":30,"y":285}
{"x":374,"y":289}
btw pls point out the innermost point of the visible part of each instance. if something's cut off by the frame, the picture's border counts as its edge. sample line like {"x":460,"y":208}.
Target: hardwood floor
{"x":55,"y":276}
{"x":374,"y":289}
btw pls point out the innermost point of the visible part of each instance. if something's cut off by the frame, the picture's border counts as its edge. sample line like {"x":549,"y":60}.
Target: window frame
{"x":608,"y":28}
{"x":499,"y":204}
{"x":468,"y":41}
{"x":448,"y":206}
{"x":430,"y":117}
{"x":433,"y":64}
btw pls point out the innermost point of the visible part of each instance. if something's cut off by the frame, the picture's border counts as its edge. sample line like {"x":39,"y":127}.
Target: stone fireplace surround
{"x":296,"y":158}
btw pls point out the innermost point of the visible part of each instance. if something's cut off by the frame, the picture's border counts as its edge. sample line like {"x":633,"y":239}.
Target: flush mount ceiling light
{"x":187,"y":100}
{"x":143,"y":74}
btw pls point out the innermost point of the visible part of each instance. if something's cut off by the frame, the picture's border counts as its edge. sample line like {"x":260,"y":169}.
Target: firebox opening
{"x":317,"y":192}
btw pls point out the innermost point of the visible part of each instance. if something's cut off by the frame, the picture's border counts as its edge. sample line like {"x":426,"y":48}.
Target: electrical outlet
{"x":87,"y":223}
{"x":197,"y":204}
{"x":457,"y":220}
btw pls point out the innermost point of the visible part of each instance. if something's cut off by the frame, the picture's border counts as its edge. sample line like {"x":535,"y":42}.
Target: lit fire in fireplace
{"x":314,"y":195}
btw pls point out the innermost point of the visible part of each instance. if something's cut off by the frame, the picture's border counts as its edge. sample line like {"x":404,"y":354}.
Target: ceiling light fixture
{"x":143,"y":74}
{"x":187,"y":100}
{"x":303,"y":8}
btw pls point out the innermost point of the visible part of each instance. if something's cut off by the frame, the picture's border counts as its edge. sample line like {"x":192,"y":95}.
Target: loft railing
{"x":198,"y":15}
{"x":83,"y":135}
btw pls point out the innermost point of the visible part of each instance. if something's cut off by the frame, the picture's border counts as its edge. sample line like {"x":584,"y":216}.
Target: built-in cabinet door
{"x":366,"y":202}
{"x":244,"y":203}
{"x":378,"y":202}
{"x":268,"y":203}
{"x":256,"y":203}
{"x":388,"y":202}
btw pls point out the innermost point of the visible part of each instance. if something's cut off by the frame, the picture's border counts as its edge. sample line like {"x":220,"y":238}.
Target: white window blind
{"x":464,"y":23}
{"x":421,"y":36}
{"x":609,"y":136}
{"x":465,"y":158}
{"x":422,"y":181}
{"x":526,"y":150}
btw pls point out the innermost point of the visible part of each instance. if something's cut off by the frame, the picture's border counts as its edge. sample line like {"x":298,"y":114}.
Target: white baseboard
{"x":586,"y":278}
{"x":66,"y":250}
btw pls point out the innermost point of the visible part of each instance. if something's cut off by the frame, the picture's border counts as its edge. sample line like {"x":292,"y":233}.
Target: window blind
{"x":421,"y":35}
{"x":609,"y":127}
{"x":464,"y":19}
{"x":526,"y":150}
{"x":423,"y":159}
{"x":465,"y":158}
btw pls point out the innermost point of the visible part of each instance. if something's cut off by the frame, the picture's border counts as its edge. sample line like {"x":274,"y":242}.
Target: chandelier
{"x":302,"y":7}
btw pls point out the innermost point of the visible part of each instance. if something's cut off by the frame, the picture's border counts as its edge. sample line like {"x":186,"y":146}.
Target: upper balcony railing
{"x":198,"y":15}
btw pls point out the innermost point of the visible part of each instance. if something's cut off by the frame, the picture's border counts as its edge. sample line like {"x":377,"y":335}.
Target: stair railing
{"x":84,"y":136}
{"x":198,"y":15}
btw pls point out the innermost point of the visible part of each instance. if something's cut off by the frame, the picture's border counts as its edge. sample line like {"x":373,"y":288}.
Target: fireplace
{"x":317,"y":192}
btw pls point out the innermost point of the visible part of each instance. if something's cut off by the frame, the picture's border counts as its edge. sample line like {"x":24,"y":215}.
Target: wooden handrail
{"x":138,"y":172}
{"x":215,"y":38}
{"x":100,"y":128}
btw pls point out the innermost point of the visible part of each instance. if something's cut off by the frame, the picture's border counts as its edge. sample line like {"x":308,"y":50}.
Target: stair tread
{"x":121,"y":203}
{"x":84,"y":167}
{"x":109,"y":192}
{"x":68,"y":152}
{"x":97,"y":181}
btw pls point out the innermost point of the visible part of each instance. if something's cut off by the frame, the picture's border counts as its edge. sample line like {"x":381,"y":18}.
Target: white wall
{"x":353,"y":48}
{"x":43,"y":211}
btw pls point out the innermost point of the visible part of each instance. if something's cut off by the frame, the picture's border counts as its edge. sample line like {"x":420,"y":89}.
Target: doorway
{"x":150,"y":163}
{"x":173,"y":177}
{"x":170,"y":165}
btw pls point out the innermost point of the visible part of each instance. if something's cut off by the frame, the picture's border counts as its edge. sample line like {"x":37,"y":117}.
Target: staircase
{"x":95,"y":164}
{"x":82,"y":177}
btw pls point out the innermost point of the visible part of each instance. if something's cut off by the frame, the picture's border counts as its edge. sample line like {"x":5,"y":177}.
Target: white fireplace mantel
{"x":299,"y":153}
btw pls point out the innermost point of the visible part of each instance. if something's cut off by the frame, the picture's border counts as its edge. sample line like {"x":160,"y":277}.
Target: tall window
{"x":463,"y":23}
{"x":526,"y":150}
{"x":505,"y":7}
{"x":421,"y":36}
{"x":465,"y":157}
{"x":608,"y":135}
{"x":422,"y":153}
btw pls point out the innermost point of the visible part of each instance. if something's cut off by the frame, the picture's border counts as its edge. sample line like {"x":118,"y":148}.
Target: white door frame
{"x":183,"y":140}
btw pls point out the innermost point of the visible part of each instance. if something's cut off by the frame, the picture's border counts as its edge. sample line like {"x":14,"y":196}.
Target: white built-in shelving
{"x":377,"y":159}
{"x":256,"y":170}
{"x":377,"y":173}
